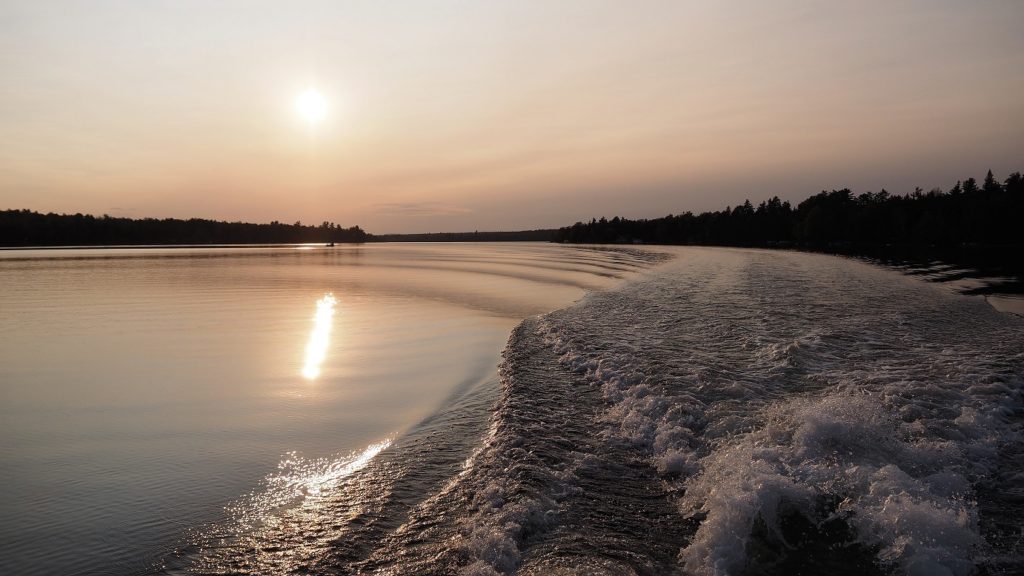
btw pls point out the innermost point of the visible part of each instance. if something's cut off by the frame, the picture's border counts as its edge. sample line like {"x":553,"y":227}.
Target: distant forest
{"x":521,"y":236}
{"x":991,"y":214}
{"x":27,"y":228}
{"x":967,"y":215}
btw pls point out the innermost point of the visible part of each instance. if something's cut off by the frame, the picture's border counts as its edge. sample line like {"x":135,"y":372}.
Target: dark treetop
{"x":968,"y":214}
{"x":27,"y":228}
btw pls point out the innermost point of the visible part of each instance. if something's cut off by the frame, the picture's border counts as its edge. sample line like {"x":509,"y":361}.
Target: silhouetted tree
{"x":990,"y":185}
{"x":27,"y":228}
{"x":966,"y":215}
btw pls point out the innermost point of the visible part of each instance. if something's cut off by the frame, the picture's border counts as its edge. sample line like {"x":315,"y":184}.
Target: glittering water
{"x":152,"y":398}
{"x":702,"y":411}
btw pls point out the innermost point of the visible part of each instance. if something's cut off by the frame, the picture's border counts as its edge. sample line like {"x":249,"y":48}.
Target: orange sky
{"x":497,"y":115}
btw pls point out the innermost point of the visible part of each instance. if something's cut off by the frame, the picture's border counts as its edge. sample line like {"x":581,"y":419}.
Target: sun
{"x":311,"y":105}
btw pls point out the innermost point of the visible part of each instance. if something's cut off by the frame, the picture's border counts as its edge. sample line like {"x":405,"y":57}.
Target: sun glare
{"x":316,"y":349}
{"x":311,"y":106}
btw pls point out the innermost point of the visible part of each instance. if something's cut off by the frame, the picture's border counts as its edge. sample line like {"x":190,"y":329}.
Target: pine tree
{"x":991,"y":185}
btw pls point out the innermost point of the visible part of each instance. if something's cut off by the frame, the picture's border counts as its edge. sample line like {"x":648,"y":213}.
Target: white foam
{"x":860,"y":420}
{"x":493,"y":532}
{"x":910,"y":498}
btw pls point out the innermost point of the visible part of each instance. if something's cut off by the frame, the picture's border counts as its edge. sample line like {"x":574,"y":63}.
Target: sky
{"x":495,"y":115}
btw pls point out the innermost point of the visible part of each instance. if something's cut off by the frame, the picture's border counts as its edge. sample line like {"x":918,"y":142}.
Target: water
{"x":142,"y":391}
{"x":700,"y":411}
{"x":993,"y":272}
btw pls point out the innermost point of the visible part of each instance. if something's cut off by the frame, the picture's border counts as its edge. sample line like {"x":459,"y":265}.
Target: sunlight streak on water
{"x":310,"y":478}
{"x":288,"y":510}
{"x":316,"y":349}
{"x":303,"y":483}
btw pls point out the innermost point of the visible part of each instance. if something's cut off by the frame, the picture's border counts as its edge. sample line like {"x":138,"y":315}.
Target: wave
{"x":860,"y":424}
{"x":729,"y":412}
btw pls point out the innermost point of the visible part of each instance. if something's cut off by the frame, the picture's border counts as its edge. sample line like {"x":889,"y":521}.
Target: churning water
{"x":699,"y":411}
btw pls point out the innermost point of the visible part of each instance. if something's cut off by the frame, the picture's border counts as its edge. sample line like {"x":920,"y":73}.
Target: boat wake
{"x":731,"y":412}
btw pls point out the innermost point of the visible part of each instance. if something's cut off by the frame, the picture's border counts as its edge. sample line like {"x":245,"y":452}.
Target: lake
{"x":497,"y":408}
{"x":142,"y":390}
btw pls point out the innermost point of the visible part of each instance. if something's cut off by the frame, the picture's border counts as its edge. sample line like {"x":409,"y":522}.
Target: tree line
{"x":967,"y":214}
{"x":28,"y":228}
{"x":519,"y":236}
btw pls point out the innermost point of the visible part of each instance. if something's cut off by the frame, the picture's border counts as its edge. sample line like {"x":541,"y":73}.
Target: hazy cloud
{"x":419,"y":209}
{"x":498,"y":115}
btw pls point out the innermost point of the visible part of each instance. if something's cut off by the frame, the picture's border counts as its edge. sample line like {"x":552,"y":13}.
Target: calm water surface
{"x":143,"y":391}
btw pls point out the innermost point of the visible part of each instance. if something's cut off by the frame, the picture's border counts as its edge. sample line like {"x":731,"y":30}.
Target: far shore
{"x":993,"y":272}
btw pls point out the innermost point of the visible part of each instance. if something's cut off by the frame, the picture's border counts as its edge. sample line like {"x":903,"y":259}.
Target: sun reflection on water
{"x":316,"y":349}
{"x":298,"y":488}
{"x":298,"y":477}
